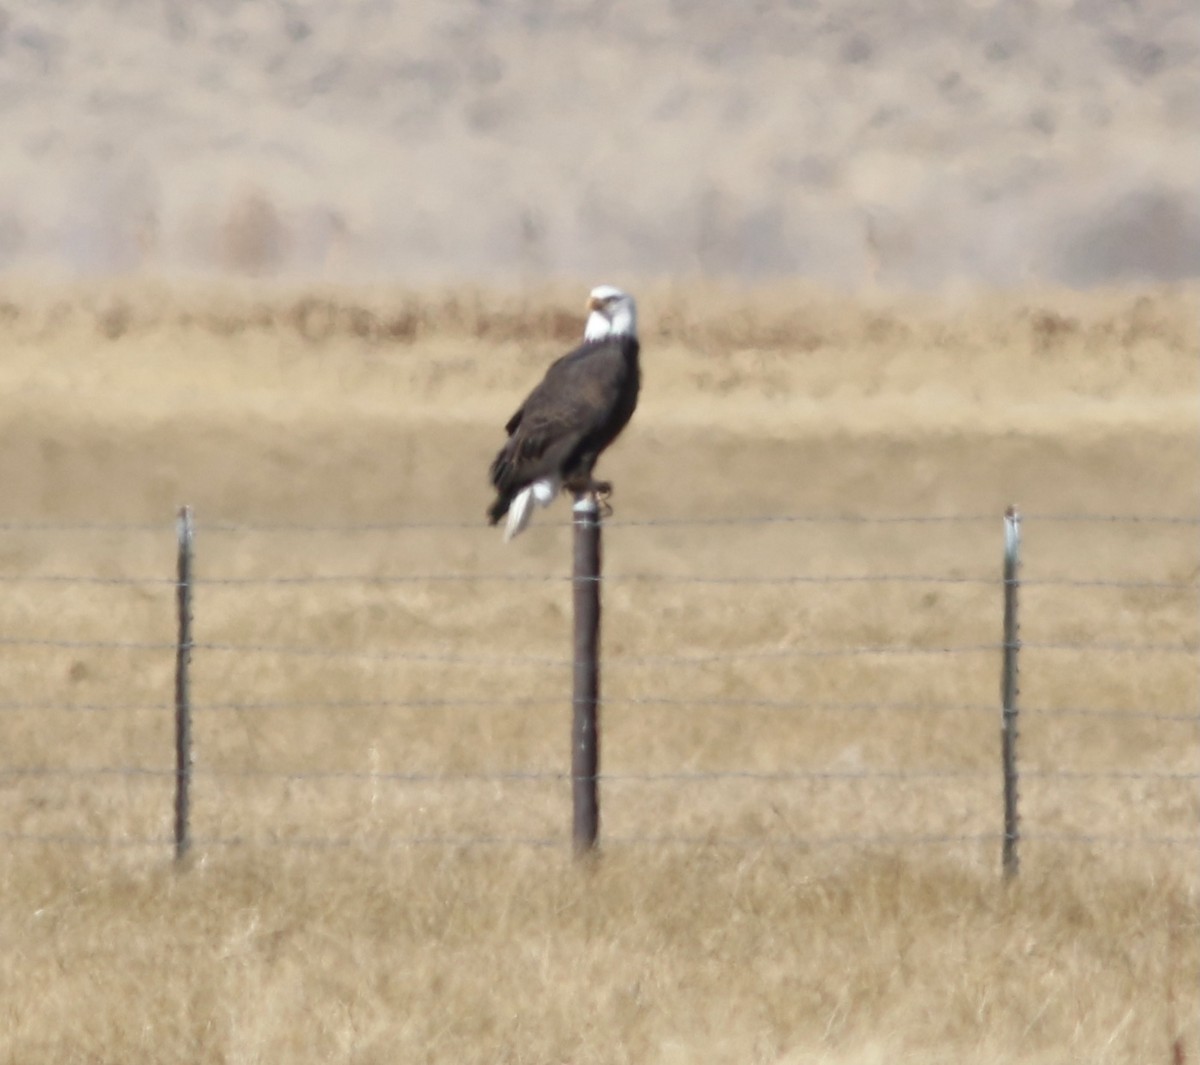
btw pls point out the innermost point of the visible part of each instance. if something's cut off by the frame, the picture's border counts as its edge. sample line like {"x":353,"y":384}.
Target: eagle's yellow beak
{"x":594,"y":303}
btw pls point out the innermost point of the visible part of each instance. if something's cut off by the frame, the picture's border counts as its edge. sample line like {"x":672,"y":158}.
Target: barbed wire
{"x":364,"y":654}
{"x":807,"y":519}
{"x":490,"y":777}
{"x":68,"y":839}
{"x":295,"y":651}
{"x":219,"y":526}
{"x":1113,"y":647}
{"x":62,"y":578}
{"x":86,"y":645}
{"x":882,"y":839}
{"x":1110,"y":839}
{"x":356,"y":528}
{"x":166,"y":527}
{"x":1108,"y":774}
{"x":268,"y":705}
{"x":673,"y":702}
{"x":610,"y":659}
{"x":677,"y":702}
{"x":368,"y":844}
{"x":27,"y":706}
{"x":134,"y":772}
{"x":612,"y":522}
{"x":692,"y":776}
{"x":613,"y":658}
{"x":1078,"y":582}
{"x":1112,"y":519}
{"x":617,"y":840}
{"x":917,"y":519}
{"x":505,"y":578}
{"x":540,"y":776}
{"x":614,"y":578}
{"x":1191,"y":718}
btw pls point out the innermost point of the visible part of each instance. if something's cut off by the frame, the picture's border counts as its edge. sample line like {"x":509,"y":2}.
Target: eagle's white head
{"x":611,"y":312}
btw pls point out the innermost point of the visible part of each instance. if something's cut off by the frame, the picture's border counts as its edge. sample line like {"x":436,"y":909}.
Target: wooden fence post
{"x":183,"y":709}
{"x":1009,"y":689}
{"x":585,"y":699}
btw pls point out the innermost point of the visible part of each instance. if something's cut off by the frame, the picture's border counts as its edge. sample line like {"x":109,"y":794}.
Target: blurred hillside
{"x":855,"y":141}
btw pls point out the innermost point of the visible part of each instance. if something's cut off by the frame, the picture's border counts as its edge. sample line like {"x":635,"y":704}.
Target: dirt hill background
{"x":858,"y":142}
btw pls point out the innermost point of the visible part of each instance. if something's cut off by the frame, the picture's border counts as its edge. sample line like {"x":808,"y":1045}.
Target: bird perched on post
{"x":586,"y":398}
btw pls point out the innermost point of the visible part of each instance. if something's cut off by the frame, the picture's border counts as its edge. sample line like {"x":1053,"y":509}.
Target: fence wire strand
{"x":749,"y":580}
{"x":615,"y":658}
{"x":235,"y":527}
{"x":669,"y":702}
{"x":692,"y":776}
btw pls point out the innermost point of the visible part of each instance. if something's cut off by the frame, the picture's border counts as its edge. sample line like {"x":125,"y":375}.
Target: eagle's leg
{"x":585,"y":485}
{"x":603,"y":491}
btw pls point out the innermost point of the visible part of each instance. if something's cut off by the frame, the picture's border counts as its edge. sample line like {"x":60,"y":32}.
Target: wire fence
{"x":1167,"y":747}
{"x":167,"y":526}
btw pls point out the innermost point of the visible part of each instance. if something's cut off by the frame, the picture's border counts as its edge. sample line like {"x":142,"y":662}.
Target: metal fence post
{"x":585,"y":700}
{"x":183,"y":709}
{"x":1009,"y":689}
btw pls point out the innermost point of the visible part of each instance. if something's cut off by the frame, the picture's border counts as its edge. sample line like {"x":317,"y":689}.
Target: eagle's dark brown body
{"x":586,"y":398}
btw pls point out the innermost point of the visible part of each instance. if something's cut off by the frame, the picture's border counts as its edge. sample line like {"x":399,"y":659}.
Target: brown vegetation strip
{"x":787,"y":316}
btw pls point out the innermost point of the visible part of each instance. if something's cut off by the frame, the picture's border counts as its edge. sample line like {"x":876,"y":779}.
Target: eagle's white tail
{"x":520,"y":510}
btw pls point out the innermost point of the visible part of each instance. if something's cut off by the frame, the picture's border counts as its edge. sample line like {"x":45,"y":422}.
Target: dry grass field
{"x":716,"y":926}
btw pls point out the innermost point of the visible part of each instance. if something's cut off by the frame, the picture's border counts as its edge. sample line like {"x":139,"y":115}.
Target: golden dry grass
{"x":654,"y":957}
{"x":124,"y":401}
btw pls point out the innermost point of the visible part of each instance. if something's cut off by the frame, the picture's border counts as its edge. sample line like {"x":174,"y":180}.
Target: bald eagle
{"x":586,"y":398}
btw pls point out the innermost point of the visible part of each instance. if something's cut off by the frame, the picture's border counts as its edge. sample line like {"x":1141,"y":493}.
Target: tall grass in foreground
{"x":644,"y":956}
